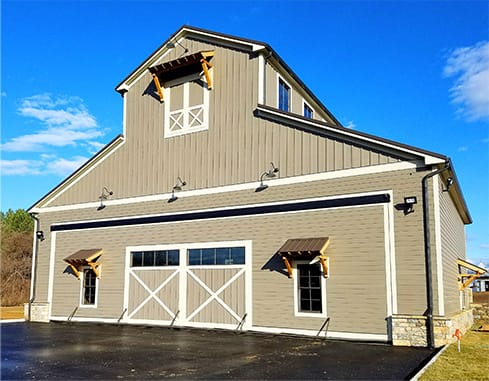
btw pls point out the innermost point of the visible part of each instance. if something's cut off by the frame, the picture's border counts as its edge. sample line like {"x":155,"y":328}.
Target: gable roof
{"x":334,"y":129}
{"x":240,"y":43}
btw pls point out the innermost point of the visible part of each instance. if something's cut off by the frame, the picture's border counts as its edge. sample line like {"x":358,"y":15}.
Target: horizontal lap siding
{"x":357,"y":260}
{"x":408,"y":228}
{"x":452,"y":248}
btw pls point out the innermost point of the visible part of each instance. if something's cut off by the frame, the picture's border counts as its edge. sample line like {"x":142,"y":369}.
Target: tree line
{"x":15,"y":256}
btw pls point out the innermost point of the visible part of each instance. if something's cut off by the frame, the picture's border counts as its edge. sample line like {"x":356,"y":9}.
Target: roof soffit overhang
{"x":456,"y":193}
{"x":185,"y":31}
{"x":390,"y":147}
{"x":422,"y":158}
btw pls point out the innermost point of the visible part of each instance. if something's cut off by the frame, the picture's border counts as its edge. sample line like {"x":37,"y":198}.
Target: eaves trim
{"x":389,"y":146}
{"x":184,"y":31}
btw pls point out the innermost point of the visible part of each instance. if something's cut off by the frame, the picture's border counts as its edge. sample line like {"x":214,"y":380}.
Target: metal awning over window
{"x":465,"y":278}
{"x":86,"y":257}
{"x":181,"y":67}
{"x":305,"y":248}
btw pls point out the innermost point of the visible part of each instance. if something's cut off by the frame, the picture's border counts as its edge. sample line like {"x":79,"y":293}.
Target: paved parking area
{"x":96,"y":351}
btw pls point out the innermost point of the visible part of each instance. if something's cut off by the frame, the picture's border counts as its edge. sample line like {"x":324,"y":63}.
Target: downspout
{"x":430,"y":337}
{"x":35,"y":245}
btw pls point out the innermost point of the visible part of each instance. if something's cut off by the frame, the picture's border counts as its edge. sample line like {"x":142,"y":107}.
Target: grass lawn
{"x":16,"y":312}
{"x":472,"y":363}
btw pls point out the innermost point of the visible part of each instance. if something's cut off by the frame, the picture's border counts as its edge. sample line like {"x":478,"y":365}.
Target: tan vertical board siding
{"x":236,"y":148}
{"x":452,"y":247}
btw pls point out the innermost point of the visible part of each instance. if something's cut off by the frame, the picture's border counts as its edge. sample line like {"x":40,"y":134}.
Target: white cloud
{"x":47,"y":165}
{"x":350,"y":124}
{"x":484,"y":246}
{"x":64,"y":167}
{"x":463,"y":149}
{"x":93,"y":147}
{"x":64,"y":122}
{"x":20,"y":167}
{"x":470,"y":67}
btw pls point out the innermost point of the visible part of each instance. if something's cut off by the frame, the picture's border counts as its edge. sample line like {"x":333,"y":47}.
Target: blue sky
{"x":414,"y":72}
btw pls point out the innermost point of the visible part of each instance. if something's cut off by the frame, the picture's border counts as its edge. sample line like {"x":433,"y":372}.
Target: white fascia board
{"x":157,"y":56}
{"x":85,"y":169}
{"x":428,"y":159}
{"x":403,"y":165}
{"x":254,"y":46}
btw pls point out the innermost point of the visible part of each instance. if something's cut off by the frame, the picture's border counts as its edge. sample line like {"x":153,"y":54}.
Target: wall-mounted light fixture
{"x":171,"y":45}
{"x":271,"y":173}
{"x":40,"y":235}
{"x":409,"y":204}
{"x":449,"y":184}
{"x":177,"y":187}
{"x":104,"y":196}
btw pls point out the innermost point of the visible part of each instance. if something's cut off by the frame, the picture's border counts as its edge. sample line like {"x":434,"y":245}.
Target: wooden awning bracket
{"x":288,"y":266}
{"x":206,"y":66}
{"x":321,"y":258}
{"x":158,"y":86}
{"x":469,"y":278}
{"x":95,"y":268}
{"x":75,"y":270}
{"x":325,"y":265}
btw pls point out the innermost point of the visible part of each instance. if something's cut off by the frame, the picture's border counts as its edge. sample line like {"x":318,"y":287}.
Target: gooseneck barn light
{"x":104,"y":196}
{"x":271,"y":173}
{"x":177,"y":187}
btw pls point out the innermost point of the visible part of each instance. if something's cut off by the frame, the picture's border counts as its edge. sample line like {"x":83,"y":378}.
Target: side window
{"x":216,"y":256}
{"x":89,"y":287}
{"x":283,"y":95}
{"x":186,"y":106}
{"x":155,"y":258}
{"x":310,"y":287}
{"x":308,"y":112}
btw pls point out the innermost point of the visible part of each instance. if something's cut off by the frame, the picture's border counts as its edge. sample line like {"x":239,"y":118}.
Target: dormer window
{"x":283,"y":95}
{"x":183,"y":85}
{"x":186,"y":106}
{"x":308,"y":112}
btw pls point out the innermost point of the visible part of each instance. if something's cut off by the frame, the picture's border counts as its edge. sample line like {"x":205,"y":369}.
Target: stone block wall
{"x":481,"y":313}
{"x":39,"y":312}
{"x":410,"y":330}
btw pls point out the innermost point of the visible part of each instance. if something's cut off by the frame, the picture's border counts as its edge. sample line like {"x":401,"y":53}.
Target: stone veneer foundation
{"x":410,"y":330}
{"x":39,"y":312}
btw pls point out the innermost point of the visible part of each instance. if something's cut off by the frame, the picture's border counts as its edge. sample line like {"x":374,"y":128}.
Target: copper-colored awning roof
{"x":181,"y":67}
{"x":298,"y":247}
{"x":85,"y":257}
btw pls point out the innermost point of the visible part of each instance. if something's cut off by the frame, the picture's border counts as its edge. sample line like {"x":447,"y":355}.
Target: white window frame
{"x":308,"y":105}
{"x":295,"y":276}
{"x":280,"y":78}
{"x":82,"y":287}
{"x":186,"y":107}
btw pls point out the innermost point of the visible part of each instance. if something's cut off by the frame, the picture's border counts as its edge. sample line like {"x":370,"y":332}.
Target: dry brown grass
{"x":15,"y":268}
{"x":16,"y":312}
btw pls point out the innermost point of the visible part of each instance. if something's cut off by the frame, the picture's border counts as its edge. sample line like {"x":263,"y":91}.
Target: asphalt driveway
{"x":97,"y":351}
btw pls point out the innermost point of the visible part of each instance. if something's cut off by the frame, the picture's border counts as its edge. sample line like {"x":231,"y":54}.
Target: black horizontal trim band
{"x":222,"y":213}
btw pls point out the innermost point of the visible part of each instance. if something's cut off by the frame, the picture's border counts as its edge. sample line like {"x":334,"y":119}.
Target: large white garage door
{"x":205,"y":285}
